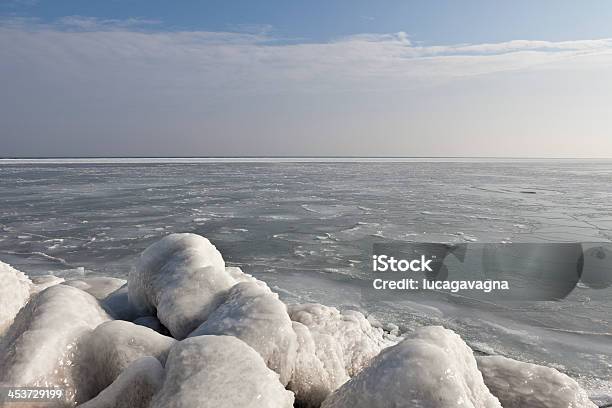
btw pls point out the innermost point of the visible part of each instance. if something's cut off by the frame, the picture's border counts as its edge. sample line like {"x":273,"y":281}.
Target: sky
{"x":305,"y":78}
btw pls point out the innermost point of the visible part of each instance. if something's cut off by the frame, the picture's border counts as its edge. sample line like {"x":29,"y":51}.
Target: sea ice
{"x":97,"y":286}
{"x":181,"y":279}
{"x":519,"y":385}
{"x":255,"y":315}
{"x":134,"y":387}
{"x":219,"y":371}
{"x":357,"y":338}
{"x":433,"y":368}
{"x":319,"y":367}
{"x":111,"y":348}
{"x":14,"y":293}
{"x":40,"y":347}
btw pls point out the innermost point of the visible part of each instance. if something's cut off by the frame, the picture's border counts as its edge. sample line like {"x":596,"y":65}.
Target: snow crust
{"x":255,"y":315}
{"x":15,"y":290}
{"x":353,"y":333}
{"x":519,"y":385}
{"x":219,"y":371}
{"x":97,"y":286}
{"x":181,"y":279}
{"x":40,"y":347}
{"x":134,"y":388}
{"x":111,"y":348}
{"x":433,"y":368}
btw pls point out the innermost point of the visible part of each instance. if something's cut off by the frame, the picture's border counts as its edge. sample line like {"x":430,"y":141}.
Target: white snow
{"x":181,"y":279}
{"x":14,"y":293}
{"x":357,"y":338}
{"x":39,"y":349}
{"x":112,"y":347}
{"x":134,"y":387}
{"x":433,"y":368}
{"x":255,"y":315}
{"x":219,"y":371}
{"x":519,"y":385}
{"x":319,"y":367}
{"x":97,"y":286}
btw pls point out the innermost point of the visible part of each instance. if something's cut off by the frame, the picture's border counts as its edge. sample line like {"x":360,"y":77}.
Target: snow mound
{"x":134,"y":387}
{"x":319,"y":367}
{"x":14,"y":293}
{"x":41,"y":346}
{"x":97,"y":286}
{"x":182,"y":279}
{"x":255,"y":315}
{"x":219,"y":371}
{"x":433,"y":368}
{"x":111,"y":348}
{"x":519,"y":385}
{"x":357,"y":338}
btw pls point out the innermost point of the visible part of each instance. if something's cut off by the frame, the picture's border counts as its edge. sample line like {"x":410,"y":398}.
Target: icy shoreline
{"x":187,"y":331}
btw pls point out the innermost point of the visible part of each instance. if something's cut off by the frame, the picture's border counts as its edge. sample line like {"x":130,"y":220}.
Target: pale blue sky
{"x":400,"y":78}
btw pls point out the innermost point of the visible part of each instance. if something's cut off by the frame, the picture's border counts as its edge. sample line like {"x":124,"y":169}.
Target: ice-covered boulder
{"x":153,"y":323}
{"x":518,"y":385}
{"x":254,"y":314}
{"x":111,"y":348}
{"x":357,"y":338}
{"x":134,"y":387}
{"x":319,"y":367}
{"x":97,"y":286}
{"x":14,"y":293}
{"x":219,"y":371}
{"x":181,"y":279}
{"x":433,"y":368}
{"x":40,"y":347}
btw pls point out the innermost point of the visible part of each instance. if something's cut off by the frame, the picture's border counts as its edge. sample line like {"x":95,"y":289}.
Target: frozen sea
{"x":307,"y":228}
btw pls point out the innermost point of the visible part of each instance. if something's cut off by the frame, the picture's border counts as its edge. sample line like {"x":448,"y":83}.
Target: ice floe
{"x":181,"y":279}
{"x":219,"y":371}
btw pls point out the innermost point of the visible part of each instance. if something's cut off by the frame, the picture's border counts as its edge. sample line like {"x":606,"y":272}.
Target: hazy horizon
{"x":323,"y":79}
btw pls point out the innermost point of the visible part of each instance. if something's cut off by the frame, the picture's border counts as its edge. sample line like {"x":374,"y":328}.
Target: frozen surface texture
{"x":134,"y":387}
{"x":111,"y":348}
{"x":14,"y":293}
{"x":182,"y":279}
{"x":356,"y":337}
{"x":118,"y":305}
{"x":519,"y":385}
{"x":219,"y":371}
{"x":42,"y":282}
{"x":41,"y":346}
{"x":255,"y":315}
{"x":433,"y":368}
{"x":319,"y":367}
{"x":97,"y":286}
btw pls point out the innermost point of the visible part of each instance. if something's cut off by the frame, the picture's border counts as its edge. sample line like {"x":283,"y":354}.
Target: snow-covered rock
{"x":255,"y":315}
{"x":319,"y":367}
{"x":219,"y":371}
{"x":518,"y":385}
{"x":97,"y":286}
{"x":134,"y":387}
{"x":14,"y":293}
{"x":433,"y":368}
{"x":111,"y":348}
{"x":118,"y":305}
{"x":357,"y":338}
{"x":181,"y":279}
{"x":40,"y":347}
